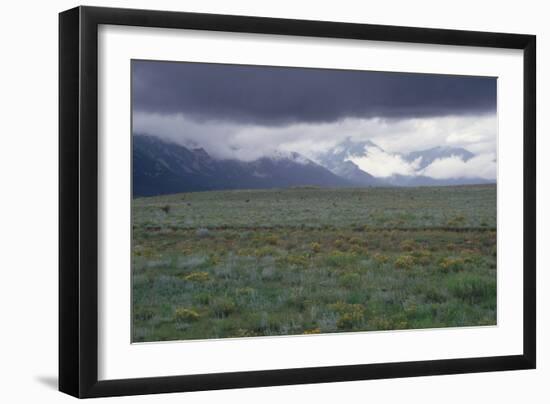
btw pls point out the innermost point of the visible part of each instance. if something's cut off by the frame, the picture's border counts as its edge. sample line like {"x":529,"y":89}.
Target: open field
{"x":299,"y":261}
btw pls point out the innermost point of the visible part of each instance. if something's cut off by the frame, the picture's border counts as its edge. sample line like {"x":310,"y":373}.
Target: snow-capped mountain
{"x":347,"y":160}
{"x":160,"y":167}
{"x":338,"y":161}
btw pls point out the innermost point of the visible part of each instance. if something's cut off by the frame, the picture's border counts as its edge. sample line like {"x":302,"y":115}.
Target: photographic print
{"x":271,"y":201}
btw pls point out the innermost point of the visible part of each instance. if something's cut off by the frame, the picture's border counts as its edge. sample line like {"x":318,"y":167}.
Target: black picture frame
{"x":78,"y":201}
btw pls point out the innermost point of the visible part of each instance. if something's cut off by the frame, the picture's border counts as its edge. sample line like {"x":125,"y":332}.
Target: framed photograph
{"x":251,"y":201}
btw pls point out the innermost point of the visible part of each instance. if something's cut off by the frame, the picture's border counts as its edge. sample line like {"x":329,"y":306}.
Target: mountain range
{"x":161,"y":167}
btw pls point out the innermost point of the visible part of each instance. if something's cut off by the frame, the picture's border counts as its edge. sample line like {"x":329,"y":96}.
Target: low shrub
{"x":214,"y":259}
{"x":381,"y":258}
{"x":358,"y":250}
{"x":272,"y":239}
{"x":339,"y":244}
{"x":342,"y":307}
{"x":471,"y":257}
{"x":404,"y":262}
{"x":298,"y":260}
{"x":349,"y":315}
{"x":340,"y":259}
{"x":407,"y":245}
{"x":451,"y":264}
{"x":315,"y":247}
{"x":422,"y":257}
{"x":349,"y":320}
{"x":382,"y":323}
{"x":265,"y":251}
{"x":350,"y":279}
{"x":183,"y":314}
{"x":197,"y":277}
{"x":243,"y":332}
{"x":223,"y":306}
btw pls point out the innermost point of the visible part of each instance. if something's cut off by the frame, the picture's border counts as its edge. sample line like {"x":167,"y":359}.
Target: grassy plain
{"x":304,"y":261}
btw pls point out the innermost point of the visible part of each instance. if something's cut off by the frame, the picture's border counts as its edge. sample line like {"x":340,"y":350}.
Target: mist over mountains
{"x":162,"y":167}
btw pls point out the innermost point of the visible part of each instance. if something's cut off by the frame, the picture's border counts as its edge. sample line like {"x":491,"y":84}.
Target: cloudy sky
{"x":246,"y":112}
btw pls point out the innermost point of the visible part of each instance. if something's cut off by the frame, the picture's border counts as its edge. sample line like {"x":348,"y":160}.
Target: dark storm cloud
{"x":273,"y":95}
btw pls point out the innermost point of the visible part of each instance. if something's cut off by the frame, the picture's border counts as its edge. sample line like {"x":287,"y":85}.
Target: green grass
{"x":304,"y":261}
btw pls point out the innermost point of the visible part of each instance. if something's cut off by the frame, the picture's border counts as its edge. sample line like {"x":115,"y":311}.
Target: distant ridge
{"x":340,"y":158}
{"x":161,"y":167}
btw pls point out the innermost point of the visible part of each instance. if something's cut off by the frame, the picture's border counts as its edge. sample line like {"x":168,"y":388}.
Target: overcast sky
{"x":246,"y":112}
